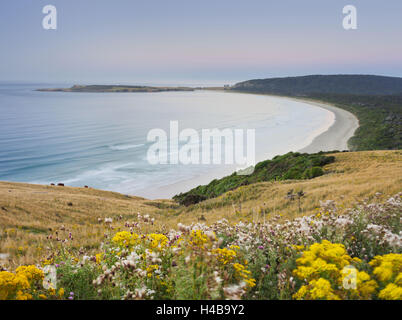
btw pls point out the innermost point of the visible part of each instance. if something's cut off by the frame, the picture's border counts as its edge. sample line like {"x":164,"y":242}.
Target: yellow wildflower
{"x":198,"y":238}
{"x":387,"y":267}
{"x":16,"y":285}
{"x":98,"y":257}
{"x":316,"y":290}
{"x":125,"y":239}
{"x":32,"y":273}
{"x":151,"y":269}
{"x":158,"y":241}
{"x":242,"y":272}
{"x":225,"y":255}
{"x":61,"y":292}
{"x":391,"y":292}
{"x":321,"y":289}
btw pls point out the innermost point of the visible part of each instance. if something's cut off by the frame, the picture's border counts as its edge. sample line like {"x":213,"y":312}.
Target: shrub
{"x":313,"y":172}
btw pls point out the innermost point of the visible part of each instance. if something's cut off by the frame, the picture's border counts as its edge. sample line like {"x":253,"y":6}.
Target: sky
{"x":188,"y":41}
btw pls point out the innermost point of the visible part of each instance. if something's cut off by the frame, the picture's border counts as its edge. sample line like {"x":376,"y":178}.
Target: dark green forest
{"x":318,"y":84}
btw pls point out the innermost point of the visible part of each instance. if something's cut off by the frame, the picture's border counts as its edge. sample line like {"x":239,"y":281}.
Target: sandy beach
{"x":335,"y":138}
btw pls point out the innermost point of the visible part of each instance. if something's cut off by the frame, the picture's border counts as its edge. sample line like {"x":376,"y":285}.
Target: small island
{"x":115,"y":88}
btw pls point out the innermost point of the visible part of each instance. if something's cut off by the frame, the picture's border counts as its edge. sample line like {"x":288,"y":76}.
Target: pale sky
{"x":131,"y":41}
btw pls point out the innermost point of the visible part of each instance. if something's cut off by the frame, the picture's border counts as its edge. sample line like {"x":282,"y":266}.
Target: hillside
{"x":331,"y":84}
{"x":29,"y":214}
{"x":353,"y":178}
{"x":286,"y":167}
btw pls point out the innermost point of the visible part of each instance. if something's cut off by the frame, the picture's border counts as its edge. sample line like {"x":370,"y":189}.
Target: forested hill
{"x":329,"y":84}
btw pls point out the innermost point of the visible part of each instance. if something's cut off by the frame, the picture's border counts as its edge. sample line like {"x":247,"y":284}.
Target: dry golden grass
{"x":30,"y":213}
{"x":353,"y":177}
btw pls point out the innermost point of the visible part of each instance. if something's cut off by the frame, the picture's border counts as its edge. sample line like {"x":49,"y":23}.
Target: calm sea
{"x":100,"y":139}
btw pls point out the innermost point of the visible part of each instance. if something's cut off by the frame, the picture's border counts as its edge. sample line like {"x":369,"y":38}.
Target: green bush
{"x":313,"y":172}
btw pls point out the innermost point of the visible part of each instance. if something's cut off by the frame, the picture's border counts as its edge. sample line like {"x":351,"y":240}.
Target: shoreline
{"x":337,"y":135}
{"x":334,"y":138}
{"x":330,"y":134}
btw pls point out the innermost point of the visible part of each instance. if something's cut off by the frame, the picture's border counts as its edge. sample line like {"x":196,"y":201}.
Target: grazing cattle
{"x":60,"y":184}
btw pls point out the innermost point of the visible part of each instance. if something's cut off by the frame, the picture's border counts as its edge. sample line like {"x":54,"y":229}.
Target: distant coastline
{"x":114,"y":88}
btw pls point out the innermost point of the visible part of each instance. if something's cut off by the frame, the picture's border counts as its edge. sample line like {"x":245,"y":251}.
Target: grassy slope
{"x":353,"y":177}
{"x":28,"y":211}
{"x":292,"y":165}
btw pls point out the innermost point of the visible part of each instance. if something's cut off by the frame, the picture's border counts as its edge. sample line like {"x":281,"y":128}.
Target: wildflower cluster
{"x":157,"y":241}
{"x":226,"y":255}
{"x":324,"y":268}
{"x":327,"y":255}
{"x":152,"y":266}
{"x":388,"y":271}
{"x":198,"y":238}
{"x":244,"y":274}
{"x":125,"y":239}
{"x":26,"y":283}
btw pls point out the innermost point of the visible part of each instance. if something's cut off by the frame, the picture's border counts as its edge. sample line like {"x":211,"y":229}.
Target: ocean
{"x":100,"y":139}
